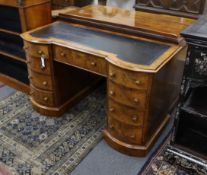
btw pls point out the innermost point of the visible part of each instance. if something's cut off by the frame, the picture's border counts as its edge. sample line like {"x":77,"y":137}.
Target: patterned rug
{"x":1,"y":84}
{"x":32,"y":144}
{"x":166,"y":163}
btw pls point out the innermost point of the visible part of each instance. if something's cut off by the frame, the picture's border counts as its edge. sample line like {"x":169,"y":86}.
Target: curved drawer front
{"x":35,"y":64}
{"x":128,"y":78}
{"x":127,"y":96}
{"x":125,"y":114}
{"x":81,"y":60}
{"x":42,"y":97}
{"x":123,"y":132}
{"x":40,"y":81}
{"x":36,"y":50}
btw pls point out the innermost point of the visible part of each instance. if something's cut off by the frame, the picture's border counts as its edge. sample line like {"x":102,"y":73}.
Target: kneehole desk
{"x":66,"y":60}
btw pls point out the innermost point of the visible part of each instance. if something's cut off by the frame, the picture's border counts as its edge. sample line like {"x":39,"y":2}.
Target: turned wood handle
{"x":136,"y":100}
{"x":112,"y":93}
{"x":111,"y":109}
{"x":134,"y":118}
{"x":137,"y":82}
{"x":40,"y":52}
{"x":45,"y":98}
{"x":132,"y":136}
{"x":62,"y":54}
{"x":26,"y":47}
{"x":93,"y":64}
{"x":112,"y":74}
{"x":111,"y":127}
{"x":44,"y":83}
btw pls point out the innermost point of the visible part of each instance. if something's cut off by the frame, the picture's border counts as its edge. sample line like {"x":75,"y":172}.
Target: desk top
{"x":129,"y":52}
{"x":155,"y":25}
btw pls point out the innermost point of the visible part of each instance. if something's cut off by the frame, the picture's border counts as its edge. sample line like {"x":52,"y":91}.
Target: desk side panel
{"x":164,"y":93}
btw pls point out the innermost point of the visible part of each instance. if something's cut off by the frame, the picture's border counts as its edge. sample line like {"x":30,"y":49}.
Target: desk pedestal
{"x":137,"y":101}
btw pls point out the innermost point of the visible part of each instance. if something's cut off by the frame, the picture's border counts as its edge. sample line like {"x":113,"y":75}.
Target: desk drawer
{"x":127,"y":96}
{"x":42,"y":97}
{"x":40,"y":81}
{"x":125,"y":114}
{"x":123,"y":132}
{"x":36,"y":65}
{"x":81,"y":60}
{"x":36,"y":50}
{"x":128,"y":78}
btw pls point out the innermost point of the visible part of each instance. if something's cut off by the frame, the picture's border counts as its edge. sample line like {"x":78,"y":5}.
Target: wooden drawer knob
{"x":112,"y":75}
{"x":111,"y":127}
{"x":44,"y":83}
{"x":137,"y":82}
{"x":40,"y":52}
{"x":134,"y":118}
{"x":30,"y":77}
{"x":132,"y":136}
{"x":93,"y":64}
{"x":136,"y":100}
{"x":26,"y":47}
{"x":112,"y":93}
{"x":62,"y":54}
{"x":111,"y":109}
{"x":45,"y":98}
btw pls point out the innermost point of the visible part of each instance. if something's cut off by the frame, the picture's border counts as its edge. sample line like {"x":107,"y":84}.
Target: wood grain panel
{"x":41,"y":81}
{"x":125,"y":114}
{"x":124,"y":132}
{"x":42,"y":97}
{"x":135,"y":80}
{"x":81,"y":60}
{"x":126,"y":96}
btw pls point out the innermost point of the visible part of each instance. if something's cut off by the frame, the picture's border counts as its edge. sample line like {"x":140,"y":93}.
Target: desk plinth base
{"x":134,"y":150}
{"x":50,"y":111}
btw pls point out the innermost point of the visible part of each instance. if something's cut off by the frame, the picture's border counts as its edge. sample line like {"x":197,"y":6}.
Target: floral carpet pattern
{"x":32,"y":144}
{"x":1,"y":84}
{"x":166,"y":163}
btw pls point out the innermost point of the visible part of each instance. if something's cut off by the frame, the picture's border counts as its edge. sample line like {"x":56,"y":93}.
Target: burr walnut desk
{"x":65,"y":59}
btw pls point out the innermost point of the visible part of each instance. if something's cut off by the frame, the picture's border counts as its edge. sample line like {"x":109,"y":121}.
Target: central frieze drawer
{"x":80,"y":59}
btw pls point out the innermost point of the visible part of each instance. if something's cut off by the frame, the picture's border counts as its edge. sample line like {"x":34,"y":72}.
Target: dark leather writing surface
{"x":127,"y":49}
